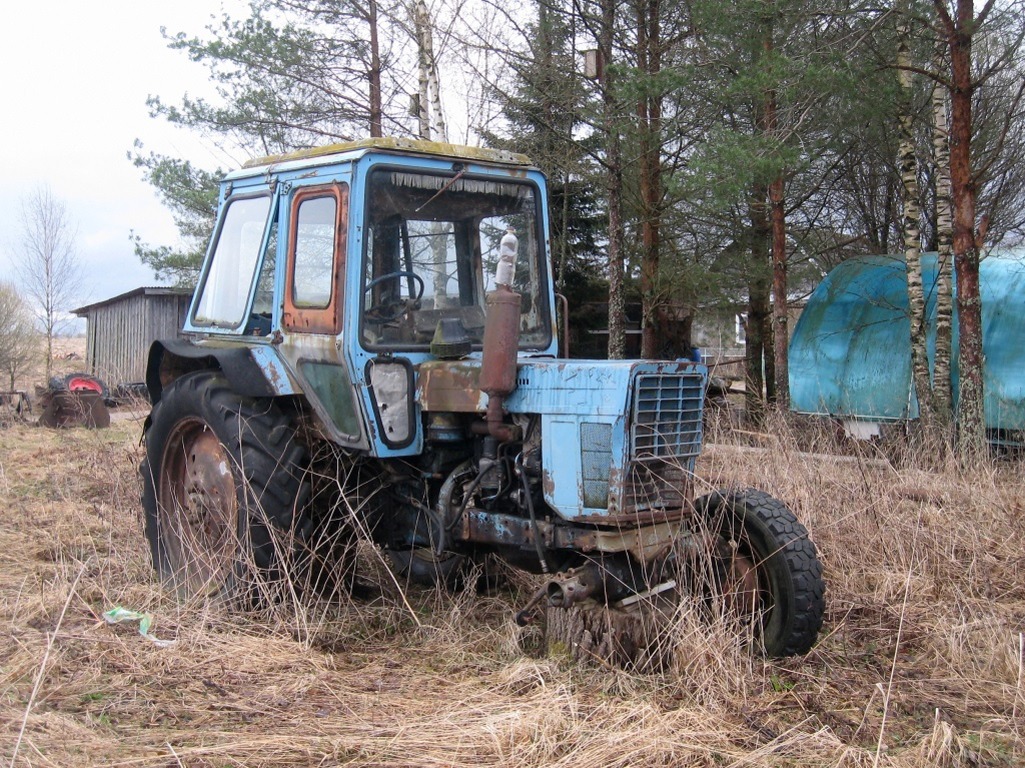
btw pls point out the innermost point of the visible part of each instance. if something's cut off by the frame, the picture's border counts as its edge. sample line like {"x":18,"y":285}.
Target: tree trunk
{"x":374,"y":75}
{"x":639,"y":638}
{"x":614,"y":186}
{"x":908,"y":163}
{"x":780,"y":306}
{"x":428,"y":65}
{"x":943,"y":401}
{"x":423,"y":89}
{"x":757,"y":308}
{"x":768,"y":342}
{"x":617,"y":299}
{"x":971,"y":434}
{"x":779,"y":333}
{"x":649,"y":113}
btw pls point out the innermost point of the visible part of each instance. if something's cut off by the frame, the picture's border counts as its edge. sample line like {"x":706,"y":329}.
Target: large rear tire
{"x":223,"y":489}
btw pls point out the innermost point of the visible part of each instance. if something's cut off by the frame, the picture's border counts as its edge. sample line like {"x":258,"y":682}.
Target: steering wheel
{"x":393,"y":310}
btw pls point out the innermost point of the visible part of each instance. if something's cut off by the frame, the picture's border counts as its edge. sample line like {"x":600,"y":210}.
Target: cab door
{"x":317,"y":219}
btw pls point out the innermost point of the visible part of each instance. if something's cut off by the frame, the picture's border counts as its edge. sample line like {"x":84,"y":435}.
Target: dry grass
{"x":921,"y":660}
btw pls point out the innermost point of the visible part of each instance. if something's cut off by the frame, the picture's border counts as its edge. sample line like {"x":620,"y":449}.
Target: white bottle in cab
{"x":506,"y":269}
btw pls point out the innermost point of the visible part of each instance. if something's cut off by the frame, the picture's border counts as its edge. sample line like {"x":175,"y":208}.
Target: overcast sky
{"x":73,"y":96}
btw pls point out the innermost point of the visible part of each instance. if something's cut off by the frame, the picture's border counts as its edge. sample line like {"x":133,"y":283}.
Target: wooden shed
{"x":120,"y":330}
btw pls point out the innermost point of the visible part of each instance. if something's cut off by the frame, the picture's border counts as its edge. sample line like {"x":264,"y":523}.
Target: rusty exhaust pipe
{"x":501,"y":342}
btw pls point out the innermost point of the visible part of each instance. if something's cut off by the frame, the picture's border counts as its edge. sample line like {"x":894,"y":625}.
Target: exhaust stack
{"x":501,"y":341}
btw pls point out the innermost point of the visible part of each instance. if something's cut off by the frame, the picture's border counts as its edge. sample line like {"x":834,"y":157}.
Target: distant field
{"x":921,"y":662}
{"x":68,"y":357}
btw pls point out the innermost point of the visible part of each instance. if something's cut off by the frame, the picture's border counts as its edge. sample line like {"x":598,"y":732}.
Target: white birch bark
{"x":908,"y":163}
{"x":942,"y":396}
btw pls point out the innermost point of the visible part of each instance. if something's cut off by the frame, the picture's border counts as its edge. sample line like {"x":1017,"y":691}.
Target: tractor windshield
{"x":431,"y":249}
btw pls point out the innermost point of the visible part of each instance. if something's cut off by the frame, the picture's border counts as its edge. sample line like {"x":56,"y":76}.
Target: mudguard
{"x":254,"y":370}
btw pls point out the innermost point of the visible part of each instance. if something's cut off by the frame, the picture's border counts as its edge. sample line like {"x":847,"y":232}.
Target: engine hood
{"x":570,"y":387}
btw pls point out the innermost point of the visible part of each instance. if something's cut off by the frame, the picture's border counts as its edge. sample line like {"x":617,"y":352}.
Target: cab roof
{"x":327,"y":153}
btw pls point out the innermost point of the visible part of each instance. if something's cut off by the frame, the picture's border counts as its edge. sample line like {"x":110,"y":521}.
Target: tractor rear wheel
{"x":223,"y":489}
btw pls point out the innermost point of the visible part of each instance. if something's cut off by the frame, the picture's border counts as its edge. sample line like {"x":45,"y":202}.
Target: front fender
{"x":253,"y":370}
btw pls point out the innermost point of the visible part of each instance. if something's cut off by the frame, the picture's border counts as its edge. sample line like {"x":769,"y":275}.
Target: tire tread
{"x":797,"y":551}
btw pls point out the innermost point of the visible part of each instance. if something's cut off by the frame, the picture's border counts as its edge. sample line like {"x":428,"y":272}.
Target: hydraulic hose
{"x":525,"y":483}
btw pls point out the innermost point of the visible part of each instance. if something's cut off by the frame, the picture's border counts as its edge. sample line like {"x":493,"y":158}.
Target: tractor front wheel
{"x":762,"y":567}
{"x":746,"y":559}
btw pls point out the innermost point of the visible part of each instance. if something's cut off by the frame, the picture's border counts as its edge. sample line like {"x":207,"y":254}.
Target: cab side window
{"x":316,"y":259}
{"x":224,"y":293}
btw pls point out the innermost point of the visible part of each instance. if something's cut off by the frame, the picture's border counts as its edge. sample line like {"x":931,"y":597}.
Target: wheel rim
{"x":744,"y":585}
{"x":740,"y":579}
{"x":198,"y":508}
{"x":749,"y":579}
{"x":84,"y":384}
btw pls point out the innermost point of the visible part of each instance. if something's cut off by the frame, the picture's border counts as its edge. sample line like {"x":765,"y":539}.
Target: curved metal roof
{"x":850,"y":355}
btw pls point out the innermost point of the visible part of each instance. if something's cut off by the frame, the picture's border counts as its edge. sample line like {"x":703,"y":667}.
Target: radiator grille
{"x":667,"y":416}
{"x":595,"y":463}
{"x":665,"y":440}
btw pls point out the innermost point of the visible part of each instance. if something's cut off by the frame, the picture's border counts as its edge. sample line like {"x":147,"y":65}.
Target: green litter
{"x":117,"y":615}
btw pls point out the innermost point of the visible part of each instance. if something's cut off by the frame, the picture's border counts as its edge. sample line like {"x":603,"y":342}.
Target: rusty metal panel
{"x":276,"y":373}
{"x":326,"y":319}
{"x":451,"y":387}
{"x":645,"y":542}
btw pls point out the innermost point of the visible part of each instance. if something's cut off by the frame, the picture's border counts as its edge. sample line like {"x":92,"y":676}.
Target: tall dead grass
{"x":920,"y":663}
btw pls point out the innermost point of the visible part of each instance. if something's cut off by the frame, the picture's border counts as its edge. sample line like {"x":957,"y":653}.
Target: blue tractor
{"x":372,"y":351}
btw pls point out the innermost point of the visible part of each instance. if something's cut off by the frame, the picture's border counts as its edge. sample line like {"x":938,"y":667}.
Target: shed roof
{"x":157,"y":290}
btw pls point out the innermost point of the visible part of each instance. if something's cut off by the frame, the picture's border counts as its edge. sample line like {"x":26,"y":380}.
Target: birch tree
{"x":908,"y":163}
{"x":430,"y":115}
{"x":960,"y":24}
{"x":943,"y":400}
{"x":48,"y":268}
